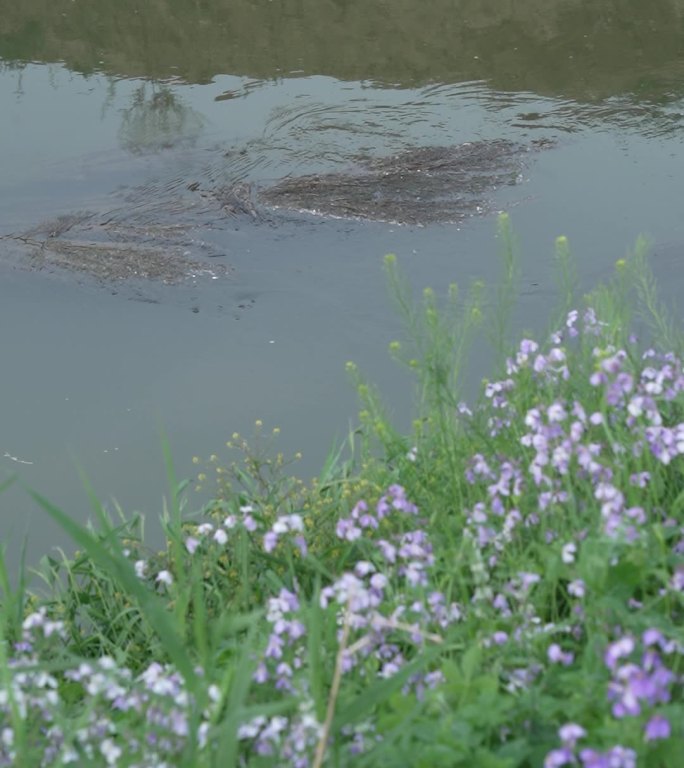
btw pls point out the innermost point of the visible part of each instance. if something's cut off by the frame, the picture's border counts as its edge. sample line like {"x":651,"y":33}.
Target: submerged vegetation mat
{"x":117,"y":246}
{"x":420,"y":186}
{"x":502,"y":587}
{"x":152,"y":233}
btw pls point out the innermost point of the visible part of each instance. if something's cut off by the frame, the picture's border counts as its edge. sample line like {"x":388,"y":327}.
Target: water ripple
{"x":309,"y":134}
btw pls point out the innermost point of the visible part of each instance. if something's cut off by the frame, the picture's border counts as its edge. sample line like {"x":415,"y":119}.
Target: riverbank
{"x":500,"y":587}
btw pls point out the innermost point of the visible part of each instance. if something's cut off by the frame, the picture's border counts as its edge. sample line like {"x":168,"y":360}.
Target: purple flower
{"x":360,"y":508}
{"x":528,"y":347}
{"x":640,"y":479}
{"x":388,"y":550}
{"x":191,"y":544}
{"x":261,"y":673}
{"x":653,"y":637}
{"x":559,"y":757}
{"x":618,"y":650}
{"x":556,"y":413}
{"x":618,"y":757}
{"x":677,"y":582}
{"x":346,"y":529}
{"x":274,"y":649}
{"x":570,"y":733}
{"x":300,"y":543}
{"x":368,"y":521}
{"x":556,"y":655}
{"x":658,"y":727}
{"x":526,"y":580}
{"x":400,"y":502}
{"x":577,"y":588}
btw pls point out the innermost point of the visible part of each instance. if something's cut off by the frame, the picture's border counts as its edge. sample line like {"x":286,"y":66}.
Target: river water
{"x":126,"y":110}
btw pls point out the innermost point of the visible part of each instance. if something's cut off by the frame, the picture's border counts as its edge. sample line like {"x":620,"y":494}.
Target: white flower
{"x":569,"y":552}
{"x":280,"y":526}
{"x":296,"y":523}
{"x":191,"y":544}
{"x":110,"y":751}
{"x":165,"y":577}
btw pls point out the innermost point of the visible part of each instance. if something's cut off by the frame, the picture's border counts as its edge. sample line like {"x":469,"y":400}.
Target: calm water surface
{"x":117,"y":109}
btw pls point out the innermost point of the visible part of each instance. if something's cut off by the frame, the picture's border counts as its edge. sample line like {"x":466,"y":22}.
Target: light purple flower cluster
{"x":636,"y":687}
{"x":361,"y":518}
{"x":384,"y":596}
{"x":115,"y":709}
{"x":286,"y":524}
{"x":616,"y":757}
{"x":33,"y":692}
{"x":292,"y":740}
{"x":639,"y":398}
{"x":492,"y":524}
{"x":497,"y":394}
{"x":514,"y":606}
{"x":566,"y":439}
{"x":286,"y":645}
{"x":551,"y":367}
{"x":557,"y":655}
{"x":383,"y":601}
{"x":219,"y":534}
{"x":157,"y":697}
{"x":570,"y":734}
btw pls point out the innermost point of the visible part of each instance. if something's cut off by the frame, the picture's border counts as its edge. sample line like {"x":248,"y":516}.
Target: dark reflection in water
{"x":580,"y":49}
{"x":158,"y":119}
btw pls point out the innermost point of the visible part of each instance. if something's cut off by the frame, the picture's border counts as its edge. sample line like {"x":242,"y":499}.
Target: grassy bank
{"x":501,"y":588}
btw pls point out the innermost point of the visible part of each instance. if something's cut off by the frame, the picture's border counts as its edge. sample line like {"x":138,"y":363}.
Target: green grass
{"x":456,"y":596}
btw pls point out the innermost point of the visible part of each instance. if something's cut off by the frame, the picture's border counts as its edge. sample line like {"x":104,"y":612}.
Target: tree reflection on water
{"x":158,"y":119}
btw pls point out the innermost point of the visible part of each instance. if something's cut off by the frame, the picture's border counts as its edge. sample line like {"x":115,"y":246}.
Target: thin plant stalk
{"x":334,"y":692}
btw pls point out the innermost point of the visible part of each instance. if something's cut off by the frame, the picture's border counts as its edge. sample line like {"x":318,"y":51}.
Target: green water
{"x":118,"y":107}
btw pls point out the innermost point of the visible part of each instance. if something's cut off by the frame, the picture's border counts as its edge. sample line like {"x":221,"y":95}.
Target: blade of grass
{"x":237,"y":681}
{"x":199,"y":615}
{"x":12,"y":604}
{"x":121,"y":570}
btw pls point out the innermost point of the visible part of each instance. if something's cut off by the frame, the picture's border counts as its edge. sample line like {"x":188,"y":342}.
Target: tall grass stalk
{"x":653,"y":311}
{"x":506,"y":293}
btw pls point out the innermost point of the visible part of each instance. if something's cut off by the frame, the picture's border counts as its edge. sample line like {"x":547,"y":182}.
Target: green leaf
{"x":199,"y":614}
{"x":236,"y":684}
{"x":471,"y":661}
{"x":381,"y":690}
